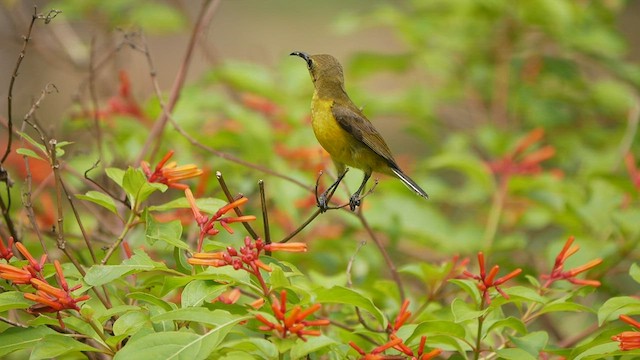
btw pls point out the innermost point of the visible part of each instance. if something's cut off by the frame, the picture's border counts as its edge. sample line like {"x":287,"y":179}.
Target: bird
{"x":345,"y":132}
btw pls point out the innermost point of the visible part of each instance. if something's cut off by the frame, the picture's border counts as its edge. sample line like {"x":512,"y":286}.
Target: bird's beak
{"x":303,"y":55}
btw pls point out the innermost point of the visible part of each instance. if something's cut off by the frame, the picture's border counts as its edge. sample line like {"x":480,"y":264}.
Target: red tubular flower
{"x":396,"y":342}
{"x":246,"y":258}
{"x":5,"y":251}
{"x":628,"y":340}
{"x":207,"y":224}
{"x":15,"y":275}
{"x":486,"y":282}
{"x":558,"y":273}
{"x":169,"y":173}
{"x":33,"y":264}
{"x":516,"y":162}
{"x":294,"y":323}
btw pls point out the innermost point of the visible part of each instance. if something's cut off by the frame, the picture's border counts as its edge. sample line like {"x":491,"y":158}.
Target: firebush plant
{"x":140,"y":229}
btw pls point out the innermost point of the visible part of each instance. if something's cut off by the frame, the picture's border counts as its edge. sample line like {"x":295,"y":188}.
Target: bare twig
{"x":392,"y":267}
{"x":265,"y":214}
{"x":94,"y":98}
{"x":155,"y":135}
{"x":27,"y":195}
{"x":237,"y":210}
{"x":47,"y":19}
{"x":350,"y":284}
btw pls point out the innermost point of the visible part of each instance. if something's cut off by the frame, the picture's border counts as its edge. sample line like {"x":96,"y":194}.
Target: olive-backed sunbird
{"x":343,"y":130}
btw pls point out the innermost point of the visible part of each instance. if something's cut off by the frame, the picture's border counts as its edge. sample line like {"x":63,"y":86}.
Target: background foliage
{"x":522,"y":120}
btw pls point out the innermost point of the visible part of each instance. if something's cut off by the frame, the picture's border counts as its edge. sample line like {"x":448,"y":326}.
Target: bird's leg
{"x":354,"y":201}
{"x":323,"y":200}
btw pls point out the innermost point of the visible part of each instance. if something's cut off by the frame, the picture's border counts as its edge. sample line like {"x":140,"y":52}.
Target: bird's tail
{"x":409,"y":183}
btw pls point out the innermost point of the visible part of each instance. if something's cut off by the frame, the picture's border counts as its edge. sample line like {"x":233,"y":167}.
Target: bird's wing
{"x":356,"y":124}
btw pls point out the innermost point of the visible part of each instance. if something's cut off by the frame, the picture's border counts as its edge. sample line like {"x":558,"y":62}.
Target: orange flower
{"x":5,"y":251}
{"x":516,"y":162}
{"x":169,"y":173}
{"x":293,"y":323}
{"x":557,"y":272}
{"x":629,"y":340}
{"x":486,"y":281}
{"x":15,"y":275}
{"x":207,"y":224}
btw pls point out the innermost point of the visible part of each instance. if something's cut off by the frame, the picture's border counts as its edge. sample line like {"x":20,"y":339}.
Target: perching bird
{"x":343,"y":130}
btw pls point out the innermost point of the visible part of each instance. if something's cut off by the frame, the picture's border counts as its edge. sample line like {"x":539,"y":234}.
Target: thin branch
{"x":350,"y":285}
{"x":94,"y":98}
{"x":392,"y":267}
{"x":155,"y":135}
{"x":265,"y":214}
{"x":237,"y":210}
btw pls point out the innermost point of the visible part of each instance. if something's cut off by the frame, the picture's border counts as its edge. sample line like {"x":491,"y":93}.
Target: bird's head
{"x":322,"y":68}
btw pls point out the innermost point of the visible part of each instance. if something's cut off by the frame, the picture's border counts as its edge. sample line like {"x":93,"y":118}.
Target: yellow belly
{"x":342,"y":146}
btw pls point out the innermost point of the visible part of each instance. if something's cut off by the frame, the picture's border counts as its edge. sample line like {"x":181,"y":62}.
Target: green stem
{"x":495,"y":213}
{"x":132,"y":217}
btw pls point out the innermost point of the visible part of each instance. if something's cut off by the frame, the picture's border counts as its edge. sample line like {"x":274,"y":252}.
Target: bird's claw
{"x":322,"y":203}
{"x":354,"y":201}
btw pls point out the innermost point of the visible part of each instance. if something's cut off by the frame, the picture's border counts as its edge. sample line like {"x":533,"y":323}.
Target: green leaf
{"x":101,"y":199}
{"x":59,"y":148}
{"x":31,"y":141}
{"x":524,"y":293}
{"x":130,"y":322}
{"x":16,"y":338}
{"x":176,"y":345}
{"x":102,"y":274}
{"x":137,"y":187}
{"x":196,"y":314}
{"x":564,"y":306}
{"x":634,"y":272}
{"x":438,"y":327}
{"x":277,"y":277}
{"x":470,"y":287}
{"x":199,"y":291}
{"x":54,"y":345}
{"x":510,"y":322}
{"x":29,"y":153}
{"x":342,"y":295}
{"x":463,"y":311}
{"x":515,"y":354}
{"x":168,"y":232}
{"x":115,"y":174}
{"x":206,"y":205}
{"x":616,"y":306}
{"x":532,"y":343}
{"x":151,"y":299}
{"x":13,"y":300}
{"x":611,"y":349}
{"x":257,"y":347}
{"x":313,"y":344}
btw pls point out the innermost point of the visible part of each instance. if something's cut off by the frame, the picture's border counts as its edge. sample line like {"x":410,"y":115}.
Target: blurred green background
{"x":452,"y":85}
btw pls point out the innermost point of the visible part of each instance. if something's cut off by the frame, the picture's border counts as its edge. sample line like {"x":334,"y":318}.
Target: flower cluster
{"x":169,"y":173}
{"x":207,"y":224}
{"x":397,"y":343}
{"x":516,"y":162}
{"x":246,"y":258}
{"x":292,"y":323}
{"x":48,"y":297}
{"x":628,"y":340}
{"x":558,"y":272}
{"x":488,"y":281}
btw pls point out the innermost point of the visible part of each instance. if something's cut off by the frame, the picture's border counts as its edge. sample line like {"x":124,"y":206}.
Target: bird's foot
{"x":355,"y":201}
{"x":322,"y":203}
